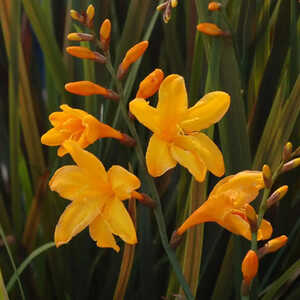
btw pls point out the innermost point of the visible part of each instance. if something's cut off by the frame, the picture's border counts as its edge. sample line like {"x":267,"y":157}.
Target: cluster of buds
{"x":166,"y":7}
{"x":86,"y":18}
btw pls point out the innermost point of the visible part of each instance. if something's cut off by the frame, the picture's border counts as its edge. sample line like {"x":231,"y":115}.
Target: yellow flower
{"x":250,"y":266}
{"x":176,"y":129}
{"x":78,"y":125}
{"x":227,"y":205}
{"x":96,"y":197}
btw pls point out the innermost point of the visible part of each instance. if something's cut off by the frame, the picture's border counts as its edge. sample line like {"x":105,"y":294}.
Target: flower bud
{"x":90,"y":14}
{"x":211,"y":29}
{"x":162,"y":6}
{"x":76,"y":16}
{"x":83,"y":52}
{"x":150,"y":85}
{"x":88,"y":88}
{"x":167,"y":13}
{"x":267,"y":175}
{"x":79,"y":37}
{"x":273,"y":245}
{"x":250,"y":266}
{"x":132,"y":55}
{"x":105,"y":30}
{"x":174,"y":3}
{"x":292,"y":164}
{"x":287,"y":151}
{"x":212,"y":6}
{"x":277,"y":195}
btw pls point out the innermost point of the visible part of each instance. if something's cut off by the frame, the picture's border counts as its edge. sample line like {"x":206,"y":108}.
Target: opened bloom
{"x":176,"y":128}
{"x":227,"y":205}
{"x":78,"y":125}
{"x":96,"y":197}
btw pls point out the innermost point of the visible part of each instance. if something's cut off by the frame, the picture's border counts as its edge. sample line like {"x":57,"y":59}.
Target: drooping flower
{"x":177,"y":136}
{"x":227,"y":206}
{"x":78,"y":125}
{"x":96,"y":197}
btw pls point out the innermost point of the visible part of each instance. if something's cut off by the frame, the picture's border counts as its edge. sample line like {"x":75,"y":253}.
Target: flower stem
{"x":158,"y":209}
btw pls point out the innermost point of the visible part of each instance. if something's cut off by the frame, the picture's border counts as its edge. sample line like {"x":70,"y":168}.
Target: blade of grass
{"x":12,"y":262}
{"x":3,"y":292}
{"x":26,"y":262}
{"x":272,"y":290}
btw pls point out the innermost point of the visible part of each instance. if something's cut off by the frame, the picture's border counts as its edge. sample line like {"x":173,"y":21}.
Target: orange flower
{"x":105,"y":30}
{"x":150,"y":85}
{"x":132,"y":55}
{"x":177,"y":136}
{"x":96,"y":197}
{"x":250,"y":266}
{"x":86,"y":53}
{"x":87,"y":88}
{"x":78,"y":125}
{"x":227,"y":205}
{"x":210,"y":29}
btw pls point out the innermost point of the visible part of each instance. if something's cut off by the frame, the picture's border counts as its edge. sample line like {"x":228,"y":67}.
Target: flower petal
{"x":54,"y":137}
{"x":189,"y":160}
{"x":145,"y":113}
{"x":172,"y":101}
{"x":88,"y":162}
{"x":123,"y":182}
{"x":100,"y":233}
{"x":265,"y":230}
{"x":158,"y":157}
{"x":76,"y":217}
{"x":119,"y":221}
{"x":96,"y":129}
{"x":207,"y":111}
{"x":78,"y":113}
{"x":71,"y":183}
{"x":242,"y":187}
{"x":202,"y":146}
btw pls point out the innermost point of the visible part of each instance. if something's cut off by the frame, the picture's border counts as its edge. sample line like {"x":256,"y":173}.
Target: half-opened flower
{"x":176,"y":128}
{"x":96,"y":197}
{"x":78,"y":125}
{"x":227,"y":204}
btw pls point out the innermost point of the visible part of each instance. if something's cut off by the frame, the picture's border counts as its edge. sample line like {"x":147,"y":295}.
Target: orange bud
{"x":277,"y":195}
{"x":83,"y":52}
{"x":250,"y":266}
{"x":275,"y":244}
{"x":267,"y":175}
{"x":292,"y":164}
{"x":214,"y":6}
{"x":87,"y":88}
{"x":132,"y":55}
{"x":287,"y":151}
{"x":105,"y":30}
{"x":76,"y":16}
{"x":211,"y":29}
{"x":90,"y":14}
{"x":150,"y":85}
{"x":174,"y":3}
{"x":77,"y":36}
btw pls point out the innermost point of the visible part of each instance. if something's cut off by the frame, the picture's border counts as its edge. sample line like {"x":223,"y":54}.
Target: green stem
{"x":158,"y":209}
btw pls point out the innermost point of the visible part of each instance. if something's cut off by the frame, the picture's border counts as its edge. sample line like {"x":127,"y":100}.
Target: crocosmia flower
{"x":78,"y":125}
{"x":176,"y":128}
{"x":227,"y":205}
{"x":96,"y":197}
